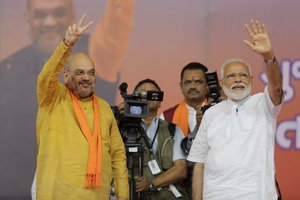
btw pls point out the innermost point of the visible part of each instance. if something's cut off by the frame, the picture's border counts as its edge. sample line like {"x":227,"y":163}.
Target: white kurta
{"x":236,"y":143}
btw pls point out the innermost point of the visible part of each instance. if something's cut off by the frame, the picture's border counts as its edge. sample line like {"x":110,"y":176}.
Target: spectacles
{"x":241,"y":75}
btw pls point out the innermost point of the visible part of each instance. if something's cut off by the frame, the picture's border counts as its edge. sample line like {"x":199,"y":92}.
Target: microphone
{"x":123,"y":86}
{"x":123,"y":89}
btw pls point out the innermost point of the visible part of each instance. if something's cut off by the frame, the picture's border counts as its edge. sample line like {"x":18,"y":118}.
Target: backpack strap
{"x":172,"y":128}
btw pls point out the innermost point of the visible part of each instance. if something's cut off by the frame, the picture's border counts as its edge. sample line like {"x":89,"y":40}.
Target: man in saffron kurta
{"x":79,"y":145}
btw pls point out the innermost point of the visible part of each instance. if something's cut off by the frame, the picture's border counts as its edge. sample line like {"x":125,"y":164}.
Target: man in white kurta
{"x":234,"y":146}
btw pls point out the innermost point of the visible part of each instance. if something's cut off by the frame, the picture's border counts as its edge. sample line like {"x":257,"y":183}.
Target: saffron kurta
{"x":62,"y":148}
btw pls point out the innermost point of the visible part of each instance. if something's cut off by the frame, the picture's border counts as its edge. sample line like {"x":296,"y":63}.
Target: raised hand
{"x":260,"y":39}
{"x":76,"y":30}
{"x":199,"y":115}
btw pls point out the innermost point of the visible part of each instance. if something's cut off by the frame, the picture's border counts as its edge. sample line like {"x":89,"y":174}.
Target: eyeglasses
{"x":233,"y":75}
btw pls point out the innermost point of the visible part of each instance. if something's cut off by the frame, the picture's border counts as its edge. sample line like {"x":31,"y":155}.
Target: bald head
{"x":79,"y":75}
{"x":79,"y":60}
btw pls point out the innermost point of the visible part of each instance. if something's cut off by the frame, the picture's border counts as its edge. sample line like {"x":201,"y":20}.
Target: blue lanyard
{"x":156,"y":132}
{"x":150,"y":146}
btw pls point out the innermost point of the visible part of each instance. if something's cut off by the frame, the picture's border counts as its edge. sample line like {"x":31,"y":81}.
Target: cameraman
{"x":162,"y":148}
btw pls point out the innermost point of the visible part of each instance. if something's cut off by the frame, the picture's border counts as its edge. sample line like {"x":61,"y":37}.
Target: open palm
{"x":260,"y":39}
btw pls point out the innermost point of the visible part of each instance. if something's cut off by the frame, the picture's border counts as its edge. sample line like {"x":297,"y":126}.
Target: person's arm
{"x":261,"y":44}
{"x":174,"y":174}
{"x":274,"y":79}
{"x":197,"y":181}
{"x":109,"y":41}
{"x":198,"y":154}
{"x":177,"y":172}
{"x":48,"y":79}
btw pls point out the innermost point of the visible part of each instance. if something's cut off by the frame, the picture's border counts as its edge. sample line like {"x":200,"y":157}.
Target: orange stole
{"x":93,"y":171}
{"x":181,"y":118}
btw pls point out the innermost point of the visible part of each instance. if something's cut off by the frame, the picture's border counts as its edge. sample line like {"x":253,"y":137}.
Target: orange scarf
{"x":93,"y":171}
{"x":181,"y":118}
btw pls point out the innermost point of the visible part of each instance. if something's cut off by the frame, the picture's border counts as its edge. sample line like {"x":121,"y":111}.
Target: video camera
{"x":214,"y":91}
{"x":136,"y":107}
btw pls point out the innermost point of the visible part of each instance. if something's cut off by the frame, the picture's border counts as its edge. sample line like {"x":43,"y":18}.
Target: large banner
{"x":152,"y":39}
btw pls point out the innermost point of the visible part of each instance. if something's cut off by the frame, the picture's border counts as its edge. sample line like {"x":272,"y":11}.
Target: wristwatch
{"x":270,"y":61}
{"x":152,"y":188}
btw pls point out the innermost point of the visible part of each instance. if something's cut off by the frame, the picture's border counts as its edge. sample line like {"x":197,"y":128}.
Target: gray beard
{"x":237,"y":96}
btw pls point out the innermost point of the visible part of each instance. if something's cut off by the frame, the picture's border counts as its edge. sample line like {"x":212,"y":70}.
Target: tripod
{"x":135,"y":155}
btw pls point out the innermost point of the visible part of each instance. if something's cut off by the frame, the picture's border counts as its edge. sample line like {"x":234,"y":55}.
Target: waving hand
{"x":260,"y":39}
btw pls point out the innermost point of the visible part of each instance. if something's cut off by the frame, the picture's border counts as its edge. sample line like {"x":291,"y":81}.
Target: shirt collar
{"x":238,"y":103}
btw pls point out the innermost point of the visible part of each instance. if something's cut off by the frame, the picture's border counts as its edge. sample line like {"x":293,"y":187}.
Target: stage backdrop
{"x":166,"y":35}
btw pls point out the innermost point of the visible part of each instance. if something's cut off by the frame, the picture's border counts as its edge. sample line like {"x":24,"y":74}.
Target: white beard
{"x":237,"y":95}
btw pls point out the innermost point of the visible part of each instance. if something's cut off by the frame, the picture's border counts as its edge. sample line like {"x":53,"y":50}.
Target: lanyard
{"x":154,"y":136}
{"x":150,"y":146}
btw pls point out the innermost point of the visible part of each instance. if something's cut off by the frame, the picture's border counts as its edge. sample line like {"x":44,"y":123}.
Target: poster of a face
{"x":137,"y":39}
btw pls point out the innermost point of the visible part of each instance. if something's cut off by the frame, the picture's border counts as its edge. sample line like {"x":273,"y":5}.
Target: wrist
{"x":268,"y":55}
{"x":270,"y":61}
{"x":152,"y":187}
{"x":66,"y":42}
{"x":269,"y":58}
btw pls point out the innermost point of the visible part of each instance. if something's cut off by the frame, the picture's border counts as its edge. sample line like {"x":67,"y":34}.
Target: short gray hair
{"x":232,"y":60}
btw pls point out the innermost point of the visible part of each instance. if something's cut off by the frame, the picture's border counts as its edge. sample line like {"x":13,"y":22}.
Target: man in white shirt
{"x":234,"y":146}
